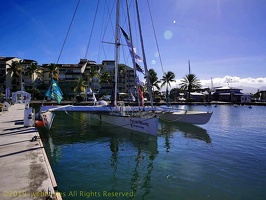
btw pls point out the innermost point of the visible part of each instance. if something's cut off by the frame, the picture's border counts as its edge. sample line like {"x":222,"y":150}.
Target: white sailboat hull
{"x":191,"y":117}
{"x":143,"y":125}
{"x":165,"y":113}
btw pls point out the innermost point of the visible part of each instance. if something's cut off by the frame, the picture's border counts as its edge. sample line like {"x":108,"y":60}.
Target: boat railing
{"x":169,"y":109}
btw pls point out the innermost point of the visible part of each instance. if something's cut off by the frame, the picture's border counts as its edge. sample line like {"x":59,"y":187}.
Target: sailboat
{"x":134,"y":118}
{"x":172,"y":114}
{"x":141,"y":121}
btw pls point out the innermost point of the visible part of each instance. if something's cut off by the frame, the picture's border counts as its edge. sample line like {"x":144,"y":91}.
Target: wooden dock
{"x":25,"y":172}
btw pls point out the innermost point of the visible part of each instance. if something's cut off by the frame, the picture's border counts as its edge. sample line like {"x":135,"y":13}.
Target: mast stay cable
{"x":92,"y":29}
{"x":68,"y":32}
{"x":155,"y":37}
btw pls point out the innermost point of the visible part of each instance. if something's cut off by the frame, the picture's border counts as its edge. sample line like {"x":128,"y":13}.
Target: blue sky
{"x":223,"y":39}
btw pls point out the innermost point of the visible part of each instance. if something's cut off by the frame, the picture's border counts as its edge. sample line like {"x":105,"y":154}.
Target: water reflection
{"x":124,"y":157}
{"x":88,"y":157}
{"x":188,"y":130}
{"x":146,"y":150}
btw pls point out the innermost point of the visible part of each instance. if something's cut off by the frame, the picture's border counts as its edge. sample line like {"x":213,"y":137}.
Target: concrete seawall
{"x":25,"y":172}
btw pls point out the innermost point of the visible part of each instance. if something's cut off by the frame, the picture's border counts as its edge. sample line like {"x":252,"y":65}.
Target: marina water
{"x":224,"y":159}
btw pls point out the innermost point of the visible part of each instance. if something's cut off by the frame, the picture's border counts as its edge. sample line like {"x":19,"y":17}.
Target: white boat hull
{"x":143,"y":125}
{"x":168,"y":114}
{"x":191,"y":117}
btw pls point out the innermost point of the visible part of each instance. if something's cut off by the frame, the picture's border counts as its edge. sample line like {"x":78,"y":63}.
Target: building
{"x":13,"y":81}
{"x":227,"y":94}
{"x":6,"y":80}
{"x":68,"y":74}
{"x":262,"y":97}
{"x":197,"y":96}
{"x":125,"y":78}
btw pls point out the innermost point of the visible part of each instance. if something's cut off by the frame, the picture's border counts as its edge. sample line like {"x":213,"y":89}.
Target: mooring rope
{"x":174,"y":119}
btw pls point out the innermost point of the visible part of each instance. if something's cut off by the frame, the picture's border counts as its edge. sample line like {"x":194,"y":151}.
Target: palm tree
{"x":166,"y":80}
{"x":154,"y":81}
{"x":92,"y":72}
{"x":121,"y":71}
{"x":80,"y":85}
{"x":190,"y":82}
{"x":105,"y":77}
{"x":53,"y":70}
{"x":33,"y":69}
{"x":15,"y":70}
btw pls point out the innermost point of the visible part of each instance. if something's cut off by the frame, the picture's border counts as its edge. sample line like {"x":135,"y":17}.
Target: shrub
{"x":157,"y":99}
{"x":79,"y":98}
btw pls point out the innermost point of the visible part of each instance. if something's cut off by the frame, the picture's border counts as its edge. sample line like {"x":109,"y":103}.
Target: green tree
{"x":154,"y":81}
{"x":90,"y":73}
{"x":173,"y":93}
{"x":79,"y":85}
{"x":31,"y":70}
{"x":121,"y":69}
{"x":121,"y":72}
{"x":15,"y":70}
{"x":166,"y":80}
{"x":190,"y":82}
{"x":105,"y":77}
{"x":53,"y":70}
{"x":34,"y":69}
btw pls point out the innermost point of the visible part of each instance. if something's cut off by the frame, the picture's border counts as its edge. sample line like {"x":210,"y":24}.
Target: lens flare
{"x":168,"y":35}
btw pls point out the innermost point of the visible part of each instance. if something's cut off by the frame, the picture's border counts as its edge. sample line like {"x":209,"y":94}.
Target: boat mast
{"x":117,"y":44}
{"x":147,"y":74}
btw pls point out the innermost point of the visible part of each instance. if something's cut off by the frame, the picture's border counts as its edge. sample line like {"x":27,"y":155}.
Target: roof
{"x":29,"y":61}
{"x":6,"y":58}
{"x":108,"y":61}
{"x":83,"y":61}
{"x":227,"y":88}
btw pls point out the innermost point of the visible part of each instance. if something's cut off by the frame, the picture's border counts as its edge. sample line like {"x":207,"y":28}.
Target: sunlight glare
{"x":168,"y":35}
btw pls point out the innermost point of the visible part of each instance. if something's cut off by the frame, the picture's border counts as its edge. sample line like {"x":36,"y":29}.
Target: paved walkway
{"x":25,"y":171}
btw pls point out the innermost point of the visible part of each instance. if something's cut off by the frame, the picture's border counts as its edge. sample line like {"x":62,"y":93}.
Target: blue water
{"x":224,"y":159}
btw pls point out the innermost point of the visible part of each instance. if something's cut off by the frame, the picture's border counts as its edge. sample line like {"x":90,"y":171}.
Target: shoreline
{"x":46,"y":103}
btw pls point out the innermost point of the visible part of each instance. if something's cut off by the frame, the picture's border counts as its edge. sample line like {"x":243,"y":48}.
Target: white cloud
{"x":235,"y":81}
